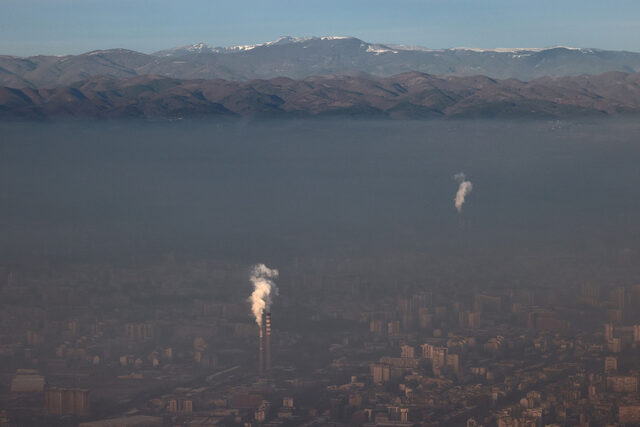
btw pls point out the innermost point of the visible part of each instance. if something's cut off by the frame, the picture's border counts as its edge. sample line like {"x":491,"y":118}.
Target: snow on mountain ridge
{"x":285,"y":40}
{"x":199,"y":47}
{"x":205,"y":48}
{"x":378,"y":49}
{"x":372,"y":48}
{"x":516,"y":49}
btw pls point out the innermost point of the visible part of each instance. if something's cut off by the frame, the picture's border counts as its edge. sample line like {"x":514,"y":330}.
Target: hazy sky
{"x":29,"y":27}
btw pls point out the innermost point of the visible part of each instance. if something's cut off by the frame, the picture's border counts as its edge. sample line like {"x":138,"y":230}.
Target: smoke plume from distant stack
{"x":464,"y":188}
{"x":263,"y":290}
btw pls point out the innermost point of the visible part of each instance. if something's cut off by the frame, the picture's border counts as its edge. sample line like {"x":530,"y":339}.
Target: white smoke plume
{"x":464,"y":189}
{"x":263,"y":288}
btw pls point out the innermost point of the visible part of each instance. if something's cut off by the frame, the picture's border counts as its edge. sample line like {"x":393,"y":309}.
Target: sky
{"x":30,"y":27}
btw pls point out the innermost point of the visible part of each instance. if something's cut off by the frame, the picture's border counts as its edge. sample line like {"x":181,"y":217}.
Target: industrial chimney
{"x":267,"y":358}
{"x":261,"y":353}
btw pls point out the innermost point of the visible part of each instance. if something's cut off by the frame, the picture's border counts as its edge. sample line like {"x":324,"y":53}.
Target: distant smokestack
{"x":267,"y":358}
{"x":263,"y":289}
{"x":261,"y":352}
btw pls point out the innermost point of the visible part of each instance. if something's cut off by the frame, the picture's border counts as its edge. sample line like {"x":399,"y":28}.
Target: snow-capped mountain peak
{"x":284,"y":40}
{"x":199,"y":47}
{"x":189,"y":49}
{"x":205,"y":48}
{"x":353,"y":46}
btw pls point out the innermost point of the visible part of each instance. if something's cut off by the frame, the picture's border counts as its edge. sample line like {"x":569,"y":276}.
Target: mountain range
{"x":406,"y":95}
{"x":299,"y":58}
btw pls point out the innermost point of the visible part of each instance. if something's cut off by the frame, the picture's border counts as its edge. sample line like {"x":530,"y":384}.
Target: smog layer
{"x":266,"y":191}
{"x":287,"y":269}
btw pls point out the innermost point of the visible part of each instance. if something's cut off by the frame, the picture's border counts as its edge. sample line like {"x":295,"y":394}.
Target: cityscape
{"x":319,"y":213}
{"x":98,"y":344}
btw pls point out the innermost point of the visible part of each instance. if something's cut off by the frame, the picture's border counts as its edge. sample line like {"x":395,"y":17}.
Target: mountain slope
{"x":408,"y":95}
{"x":298,"y":58}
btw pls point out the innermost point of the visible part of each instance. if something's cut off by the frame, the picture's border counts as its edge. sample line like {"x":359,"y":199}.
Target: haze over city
{"x":303,"y":213}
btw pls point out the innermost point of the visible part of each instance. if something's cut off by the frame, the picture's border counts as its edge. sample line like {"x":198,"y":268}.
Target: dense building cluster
{"x":175,"y":344}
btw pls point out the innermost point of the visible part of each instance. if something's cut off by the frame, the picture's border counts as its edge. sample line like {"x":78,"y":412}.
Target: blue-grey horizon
{"x":32,"y":27}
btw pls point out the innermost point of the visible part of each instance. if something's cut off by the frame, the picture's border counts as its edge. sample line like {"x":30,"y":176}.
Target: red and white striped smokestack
{"x":267,"y":358}
{"x":261,"y":352}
